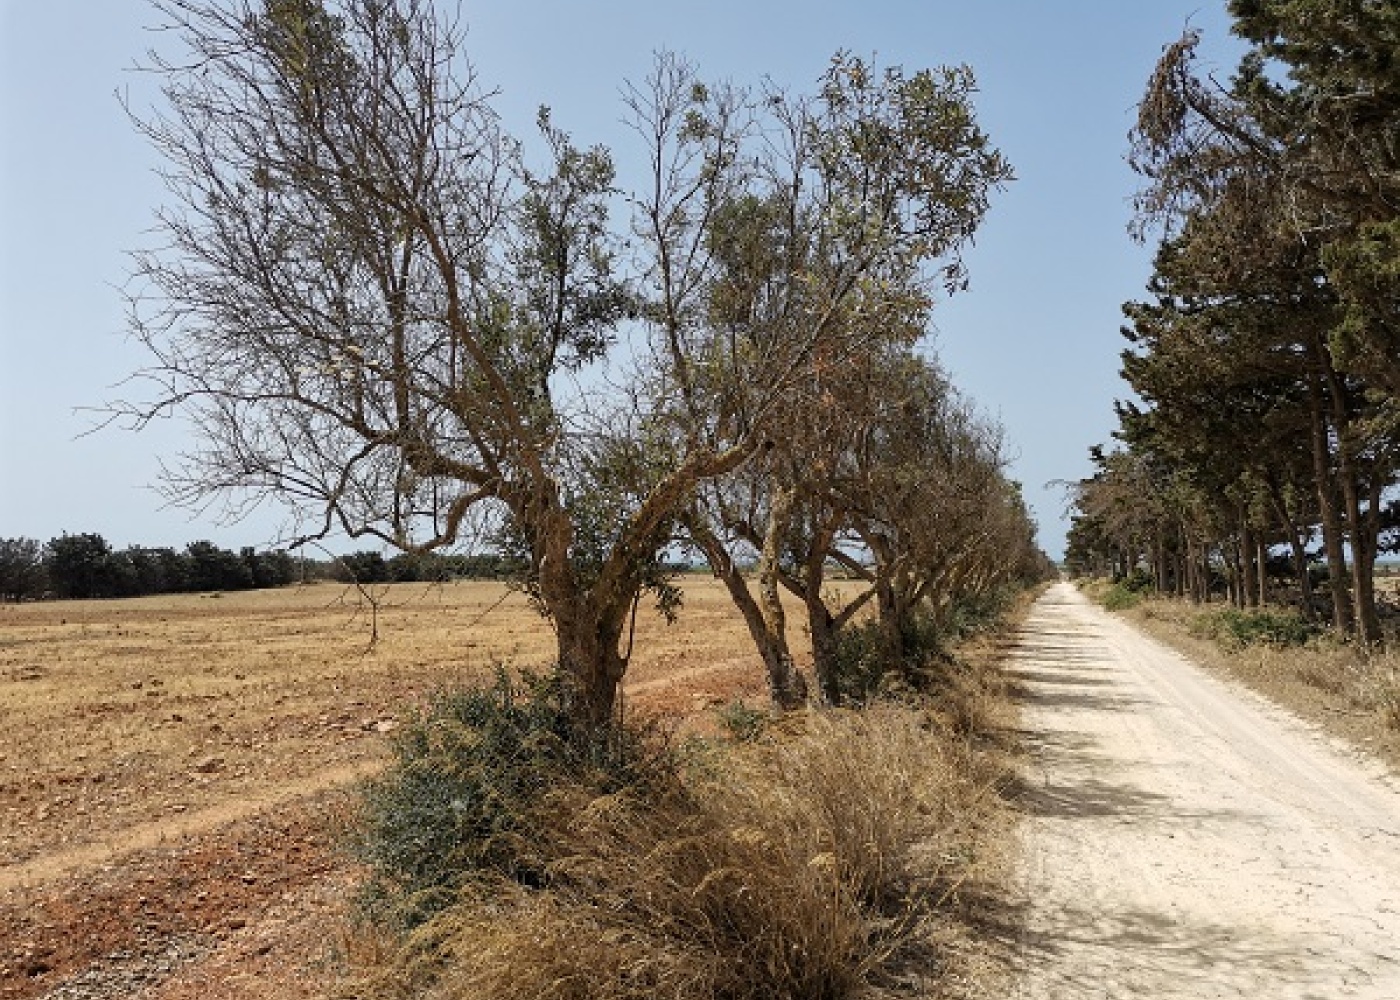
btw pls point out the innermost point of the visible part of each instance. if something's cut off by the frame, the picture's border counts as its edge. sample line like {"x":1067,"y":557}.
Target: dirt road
{"x":1186,"y":839}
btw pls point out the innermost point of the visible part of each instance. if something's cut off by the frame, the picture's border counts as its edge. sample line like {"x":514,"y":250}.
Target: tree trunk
{"x":824,"y":651}
{"x":1363,"y":593}
{"x":1297,"y":547}
{"x":1363,"y":590}
{"x":891,"y":618}
{"x":770,"y":597}
{"x":590,"y":659}
{"x":1305,"y":591}
{"x":786,"y":684}
{"x":1249,"y":568}
{"x":1261,"y":557}
{"x":1331,"y":524}
{"x":588,"y":622}
{"x":1236,"y":574}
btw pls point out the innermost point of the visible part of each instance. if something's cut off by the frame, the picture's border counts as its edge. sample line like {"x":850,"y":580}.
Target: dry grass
{"x":804,"y":865}
{"x":839,"y":854}
{"x":1352,"y":695}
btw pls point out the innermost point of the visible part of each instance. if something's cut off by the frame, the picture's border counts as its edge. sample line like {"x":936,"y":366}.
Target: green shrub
{"x":462,"y":798}
{"x":1120,"y":598}
{"x":1235,"y":629}
{"x":978,"y":613}
{"x":866,"y":666}
{"x":1139,"y":581}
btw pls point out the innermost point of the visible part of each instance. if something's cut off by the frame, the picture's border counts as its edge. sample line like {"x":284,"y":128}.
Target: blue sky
{"x":1034,"y":341}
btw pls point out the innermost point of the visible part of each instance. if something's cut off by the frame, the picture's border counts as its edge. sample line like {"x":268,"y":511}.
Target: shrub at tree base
{"x":472,"y":773}
{"x":769,"y":869}
{"x":1120,"y":598}
{"x":866,"y":666}
{"x":1234,"y":629}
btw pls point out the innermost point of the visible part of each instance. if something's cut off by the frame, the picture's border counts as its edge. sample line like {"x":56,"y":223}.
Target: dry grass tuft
{"x":792,"y":866}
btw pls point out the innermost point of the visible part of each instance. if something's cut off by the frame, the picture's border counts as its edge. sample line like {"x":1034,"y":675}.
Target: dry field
{"x":169,"y":766}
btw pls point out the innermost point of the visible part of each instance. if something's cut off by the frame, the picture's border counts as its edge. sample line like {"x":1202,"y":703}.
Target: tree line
{"x":1266,"y":360}
{"x":84,"y":566}
{"x":383,"y":308}
{"x":87,"y":566}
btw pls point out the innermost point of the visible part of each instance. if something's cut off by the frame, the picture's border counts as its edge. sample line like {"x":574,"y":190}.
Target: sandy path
{"x":1186,"y":839}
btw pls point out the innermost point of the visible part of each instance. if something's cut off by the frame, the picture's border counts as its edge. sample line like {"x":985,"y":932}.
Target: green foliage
{"x":21,"y":569}
{"x":86,"y":566}
{"x":978,"y":612}
{"x":884,"y":138}
{"x":213,"y":568}
{"x":1235,"y":629}
{"x":362,"y":568}
{"x":862,"y":662}
{"x":472,"y":773}
{"x":1365,"y":270}
{"x":83,"y":566}
{"x":1139,"y":581}
{"x":1120,"y":598}
{"x":870,"y":663}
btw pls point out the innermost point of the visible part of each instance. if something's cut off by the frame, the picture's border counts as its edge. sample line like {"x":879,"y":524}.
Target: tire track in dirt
{"x":144,"y":836}
{"x":1184,"y":838}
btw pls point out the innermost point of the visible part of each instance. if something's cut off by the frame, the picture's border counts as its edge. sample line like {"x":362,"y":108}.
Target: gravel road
{"x":1187,"y":839}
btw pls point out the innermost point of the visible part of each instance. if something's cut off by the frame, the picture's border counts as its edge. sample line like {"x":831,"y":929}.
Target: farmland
{"x":173,"y":769}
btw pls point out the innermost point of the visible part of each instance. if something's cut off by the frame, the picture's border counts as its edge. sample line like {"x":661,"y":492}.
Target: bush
{"x":784,"y":872}
{"x":1139,"y":581}
{"x":1120,"y":598}
{"x":866,"y":667}
{"x":741,"y":721}
{"x":1234,"y":629}
{"x":979,"y":612}
{"x":471,"y":774}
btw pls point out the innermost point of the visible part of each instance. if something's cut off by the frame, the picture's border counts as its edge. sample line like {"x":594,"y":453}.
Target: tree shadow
{"x":1144,"y":952}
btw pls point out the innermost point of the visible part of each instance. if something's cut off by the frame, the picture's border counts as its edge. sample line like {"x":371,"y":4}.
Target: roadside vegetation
{"x":827,"y":854}
{"x":380,"y":306}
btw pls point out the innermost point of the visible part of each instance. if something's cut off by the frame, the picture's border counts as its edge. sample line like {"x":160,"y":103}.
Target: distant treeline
{"x":87,"y":566}
{"x":371,"y":567}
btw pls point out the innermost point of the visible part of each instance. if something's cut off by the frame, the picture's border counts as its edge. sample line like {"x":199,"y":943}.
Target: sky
{"x":1034,"y":341}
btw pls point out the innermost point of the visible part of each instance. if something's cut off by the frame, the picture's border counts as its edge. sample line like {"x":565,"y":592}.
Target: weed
{"x":1234,"y":629}
{"x":1120,"y":598}
{"x":741,"y":721}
